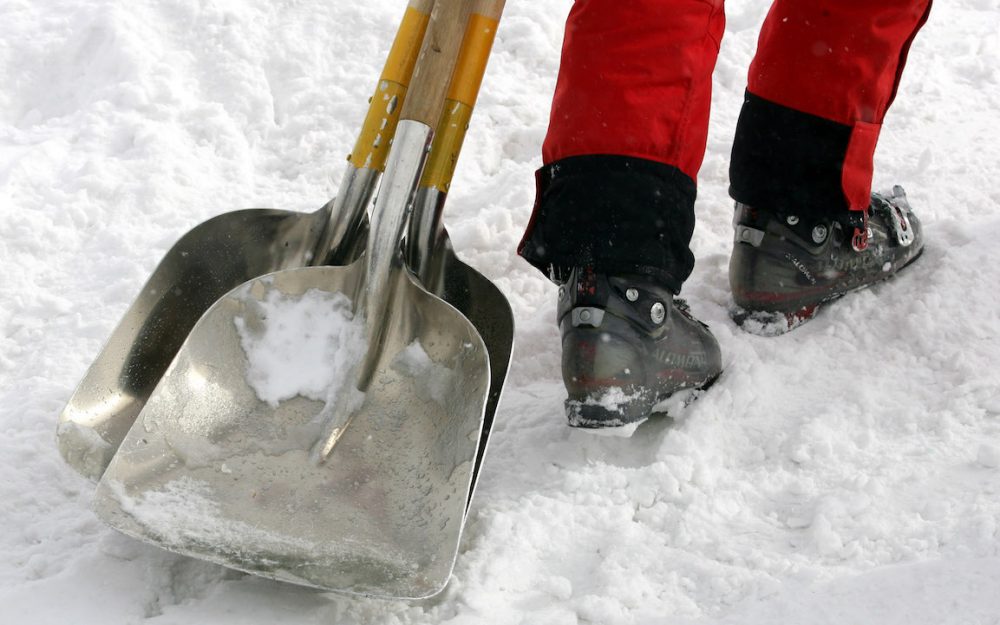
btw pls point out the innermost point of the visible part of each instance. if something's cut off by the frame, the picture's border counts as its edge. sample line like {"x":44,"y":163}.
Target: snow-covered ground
{"x":848,"y":472}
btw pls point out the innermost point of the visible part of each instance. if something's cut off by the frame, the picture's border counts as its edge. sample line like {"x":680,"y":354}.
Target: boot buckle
{"x":586,"y":316}
{"x":894,"y":209}
{"x":746,"y":234}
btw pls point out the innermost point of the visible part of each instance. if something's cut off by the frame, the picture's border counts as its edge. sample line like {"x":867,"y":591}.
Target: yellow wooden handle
{"x":385,"y":106}
{"x":462,"y":94}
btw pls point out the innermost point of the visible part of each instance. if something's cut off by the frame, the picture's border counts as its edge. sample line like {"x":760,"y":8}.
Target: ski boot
{"x":627,"y":345}
{"x":784,"y":267}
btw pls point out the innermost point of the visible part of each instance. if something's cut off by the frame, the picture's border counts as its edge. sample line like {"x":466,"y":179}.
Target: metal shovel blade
{"x":208,"y":261}
{"x":212,"y":471}
{"x":212,"y":258}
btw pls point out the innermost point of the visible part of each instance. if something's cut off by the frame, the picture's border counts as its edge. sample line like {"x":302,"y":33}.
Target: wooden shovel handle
{"x":490,"y":8}
{"x":424,"y":6}
{"x":462,"y":93}
{"x":372,"y":146}
{"x":438,"y":55}
{"x":475,"y":51}
{"x":406,"y":45}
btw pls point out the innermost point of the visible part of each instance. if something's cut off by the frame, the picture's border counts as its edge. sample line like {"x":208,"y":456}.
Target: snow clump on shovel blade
{"x":305,"y":345}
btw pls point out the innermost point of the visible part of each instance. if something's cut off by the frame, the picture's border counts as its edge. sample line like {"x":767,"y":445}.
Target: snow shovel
{"x":221,"y":254}
{"x":359,"y":485}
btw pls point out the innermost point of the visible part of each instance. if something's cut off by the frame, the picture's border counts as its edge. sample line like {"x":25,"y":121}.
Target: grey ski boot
{"x":784,"y":267}
{"x":627,"y":345}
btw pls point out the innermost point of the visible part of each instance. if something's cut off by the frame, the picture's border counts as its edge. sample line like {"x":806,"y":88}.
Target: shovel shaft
{"x":424,"y":50}
{"x":436,"y":62}
{"x":426,"y":234}
{"x":386,"y":103}
{"x":411,"y":145}
{"x":366,"y":162}
{"x":463,"y":91}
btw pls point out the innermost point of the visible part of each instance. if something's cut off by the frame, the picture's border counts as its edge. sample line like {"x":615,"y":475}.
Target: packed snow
{"x":303,"y":345}
{"x":436,"y":379}
{"x":846,"y":472}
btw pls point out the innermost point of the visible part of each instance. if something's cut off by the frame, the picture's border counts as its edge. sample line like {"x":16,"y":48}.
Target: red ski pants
{"x":635,"y":78}
{"x":630,"y":120}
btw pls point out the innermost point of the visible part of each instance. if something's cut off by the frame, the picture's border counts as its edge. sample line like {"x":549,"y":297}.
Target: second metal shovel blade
{"x":211,"y":470}
{"x":203,"y":265}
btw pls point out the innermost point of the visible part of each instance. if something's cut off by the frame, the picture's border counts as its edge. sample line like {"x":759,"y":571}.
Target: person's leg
{"x":626,"y":138}
{"x":825,"y":73}
{"x":614,"y":211}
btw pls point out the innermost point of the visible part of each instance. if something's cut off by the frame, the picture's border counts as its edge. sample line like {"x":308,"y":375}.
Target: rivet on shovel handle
{"x":372,"y":147}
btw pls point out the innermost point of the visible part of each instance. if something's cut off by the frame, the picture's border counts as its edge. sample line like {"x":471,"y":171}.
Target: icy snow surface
{"x":847,"y":472}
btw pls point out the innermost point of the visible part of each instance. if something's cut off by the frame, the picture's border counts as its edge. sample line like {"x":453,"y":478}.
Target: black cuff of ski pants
{"x":620,"y":215}
{"x":788,"y":161}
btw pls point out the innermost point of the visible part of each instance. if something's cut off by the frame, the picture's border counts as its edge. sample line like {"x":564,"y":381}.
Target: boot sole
{"x":616,"y":411}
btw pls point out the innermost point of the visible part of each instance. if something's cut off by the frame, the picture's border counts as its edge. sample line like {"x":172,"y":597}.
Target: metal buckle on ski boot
{"x":586,"y":316}
{"x":746,"y":234}
{"x":894,"y":209}
{"x":742,"y":232}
